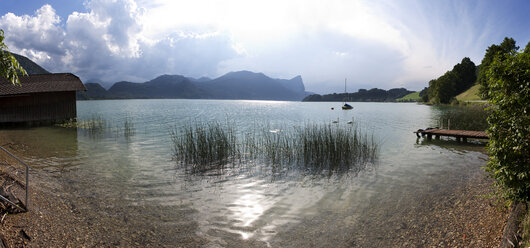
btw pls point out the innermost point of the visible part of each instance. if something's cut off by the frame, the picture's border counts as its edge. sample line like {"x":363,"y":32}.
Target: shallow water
{"x":113,"y":173}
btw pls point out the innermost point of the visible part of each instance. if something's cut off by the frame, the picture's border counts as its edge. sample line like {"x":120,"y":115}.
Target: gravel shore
{"x":465,"y":216}
{"x":462,"y":216}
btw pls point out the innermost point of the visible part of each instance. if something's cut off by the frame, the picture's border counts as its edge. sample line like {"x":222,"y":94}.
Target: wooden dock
{"x":460,"y":135}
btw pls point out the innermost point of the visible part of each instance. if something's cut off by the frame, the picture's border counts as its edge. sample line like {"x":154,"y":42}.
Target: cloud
{"x":326,"y":58}
{"x":381,"y":44}
{"x":40,"y":33}
{"x":323,"y":41}
{"x":107,"y":43}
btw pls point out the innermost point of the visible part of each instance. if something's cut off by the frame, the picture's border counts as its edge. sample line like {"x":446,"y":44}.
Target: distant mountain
{"x":105,"y":85}
{"x":372,"y":95}
{"x":96,"y":92}
{"x":201,"y":79}
{"x":165,"y":86}
{"x":250,"y":85}
{"x":30,"y":66}
{"x":233,"y":85}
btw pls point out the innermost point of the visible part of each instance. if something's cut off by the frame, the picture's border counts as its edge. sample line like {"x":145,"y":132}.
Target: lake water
{"x":130,"y":182}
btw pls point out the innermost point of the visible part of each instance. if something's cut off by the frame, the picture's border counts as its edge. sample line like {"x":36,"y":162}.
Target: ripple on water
{"x":132,"y":185}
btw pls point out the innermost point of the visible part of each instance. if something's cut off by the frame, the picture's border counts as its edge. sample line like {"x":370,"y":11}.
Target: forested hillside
{"x":372,"y":95}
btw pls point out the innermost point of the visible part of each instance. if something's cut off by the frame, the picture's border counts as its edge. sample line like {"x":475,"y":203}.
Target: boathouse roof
{"x":53,"y":82}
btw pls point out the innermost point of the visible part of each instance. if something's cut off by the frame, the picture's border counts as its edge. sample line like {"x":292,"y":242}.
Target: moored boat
{"x":346,"y":106}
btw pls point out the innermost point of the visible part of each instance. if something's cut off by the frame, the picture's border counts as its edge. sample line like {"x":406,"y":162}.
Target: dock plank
{"x":454,"y":133}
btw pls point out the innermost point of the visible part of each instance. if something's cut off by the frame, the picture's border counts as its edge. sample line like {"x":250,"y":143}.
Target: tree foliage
{"x":9,"y":66}
{"x":505,"y":49}
{"x":424,"y":94}
{"x":466,"y":75}
{"x":508,"y":85}
{"x":459,"y":79}
{"x":363,"y":95}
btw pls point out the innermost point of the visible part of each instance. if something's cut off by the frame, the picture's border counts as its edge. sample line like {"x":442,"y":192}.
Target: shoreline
{"x":462,"y":217}
{"x":459,"y":216}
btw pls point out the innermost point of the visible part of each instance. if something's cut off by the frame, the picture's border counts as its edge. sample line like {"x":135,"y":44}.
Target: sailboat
{"x":346,"y":106}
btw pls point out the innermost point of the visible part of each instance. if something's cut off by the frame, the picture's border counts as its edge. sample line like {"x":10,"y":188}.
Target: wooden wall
{"x":48,"y":107}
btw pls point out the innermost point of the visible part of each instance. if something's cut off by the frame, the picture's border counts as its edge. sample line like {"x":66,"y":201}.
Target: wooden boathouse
{"x":41,"y":99}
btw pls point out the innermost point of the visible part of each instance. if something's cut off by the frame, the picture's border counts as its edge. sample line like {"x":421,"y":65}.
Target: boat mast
{"x":345,"y":92}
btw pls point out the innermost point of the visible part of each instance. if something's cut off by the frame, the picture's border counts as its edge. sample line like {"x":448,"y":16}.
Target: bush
{"x":508,"y":78}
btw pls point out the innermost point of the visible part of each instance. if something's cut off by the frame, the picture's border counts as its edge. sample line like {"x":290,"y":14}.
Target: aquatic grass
{"x":276,"y":147}
{"x":310,"y":147}
{"x":333,"y":147}
{"x":205,"y":146}
{"x":472,"y":117}
{"x":94,"y":126}
{"x":128,"y":127}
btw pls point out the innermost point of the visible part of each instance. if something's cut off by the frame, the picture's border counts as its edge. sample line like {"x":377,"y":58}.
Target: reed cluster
{"x":333,"y":147}
{"x":312,"y":147}
{"x":205,"y":146}
{"x":96,"y":126}
{"x":473,"y":118}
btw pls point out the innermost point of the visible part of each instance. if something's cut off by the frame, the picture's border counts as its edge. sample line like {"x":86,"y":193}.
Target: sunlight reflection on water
{"x":253,"y":202}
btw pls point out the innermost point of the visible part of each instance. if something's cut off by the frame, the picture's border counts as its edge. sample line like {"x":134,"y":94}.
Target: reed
{"x":333,"y":147}
{"x":472,"y":117}
{"x":205,"y":146}
{"x":128,"y":127}
{"x":310,"y":147}
{"x":94,"y":126}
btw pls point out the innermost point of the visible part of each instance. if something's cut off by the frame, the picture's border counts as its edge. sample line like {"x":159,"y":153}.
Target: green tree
{"x":508,"y":85}
{"x":424,"y":94}
{"x":506,"y":48}
{"x":446,"y":87}
{"x":432,"y":92}
{"x":466,"y":75}
{"x":9,"y":66}
{"x":453,"y":82}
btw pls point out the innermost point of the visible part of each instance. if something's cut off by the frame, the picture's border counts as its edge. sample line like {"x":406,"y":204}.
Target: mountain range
{"x":233,"y":85}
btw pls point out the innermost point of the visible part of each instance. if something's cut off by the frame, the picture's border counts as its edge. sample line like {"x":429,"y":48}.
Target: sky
{"x":379,"y":43}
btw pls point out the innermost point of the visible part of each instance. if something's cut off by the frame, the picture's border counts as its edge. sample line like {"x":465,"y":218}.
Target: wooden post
{"x":464,"y":139}
{"x":437,"y":137}
{"x":458,"y":139}
{"x":429,"y":136}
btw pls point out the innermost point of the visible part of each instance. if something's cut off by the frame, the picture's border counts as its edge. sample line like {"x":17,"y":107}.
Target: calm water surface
{"x":118,"y":177}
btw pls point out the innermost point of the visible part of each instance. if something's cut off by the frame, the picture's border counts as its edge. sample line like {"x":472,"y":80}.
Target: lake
{"x":125,"y":177}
